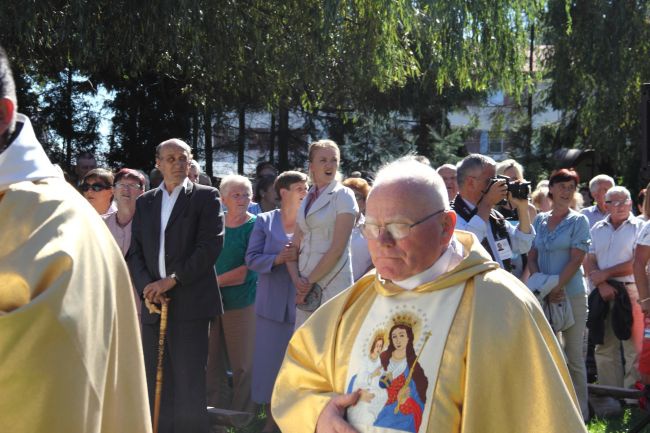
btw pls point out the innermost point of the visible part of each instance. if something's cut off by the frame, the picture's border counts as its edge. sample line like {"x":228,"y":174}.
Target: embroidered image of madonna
{"x":403,"y":381}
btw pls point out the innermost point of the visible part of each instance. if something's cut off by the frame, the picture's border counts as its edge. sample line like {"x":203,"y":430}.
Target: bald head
{"x":174,"y":142}
{"x":407,"y":210}
{"x":411,"y":174}
{"x":173,"y":160}
{"x":448,"y":174}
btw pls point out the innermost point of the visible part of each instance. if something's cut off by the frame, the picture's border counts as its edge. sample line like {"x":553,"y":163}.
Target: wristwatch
{"x":174,"y":277}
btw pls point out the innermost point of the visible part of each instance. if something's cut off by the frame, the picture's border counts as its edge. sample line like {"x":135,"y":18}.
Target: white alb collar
{"x":25,"y":159}
{"x":452,"y":256}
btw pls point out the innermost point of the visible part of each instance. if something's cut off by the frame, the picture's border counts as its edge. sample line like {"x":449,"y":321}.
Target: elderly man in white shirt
{"x":598,"y":187}
{"x":474,"y":206}
{"x":610,"y":259}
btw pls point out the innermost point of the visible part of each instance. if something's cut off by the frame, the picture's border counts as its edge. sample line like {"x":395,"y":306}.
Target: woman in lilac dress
{"x":275,"y":303}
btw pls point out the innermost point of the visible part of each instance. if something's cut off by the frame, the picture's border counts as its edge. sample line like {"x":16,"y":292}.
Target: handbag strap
{"x":347,"y":257}
{"x":550,"y":313}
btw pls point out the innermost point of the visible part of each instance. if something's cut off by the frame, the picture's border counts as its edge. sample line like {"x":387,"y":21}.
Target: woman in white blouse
{"x":325,"y":220}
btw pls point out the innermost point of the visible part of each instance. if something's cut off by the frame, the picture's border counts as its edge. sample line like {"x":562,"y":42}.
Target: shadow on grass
{"x":255,"y":426}
{"x":621,"y":424}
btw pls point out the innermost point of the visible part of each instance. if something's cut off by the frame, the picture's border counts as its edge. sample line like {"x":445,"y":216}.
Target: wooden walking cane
{"x":159,"y":368}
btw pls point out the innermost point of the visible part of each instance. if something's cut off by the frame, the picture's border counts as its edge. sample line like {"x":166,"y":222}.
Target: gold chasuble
{"x":70,"y":353}
{"x":480,"y":357}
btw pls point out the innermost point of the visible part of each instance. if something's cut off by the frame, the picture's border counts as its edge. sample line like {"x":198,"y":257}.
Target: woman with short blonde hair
{"x":232,"y":334}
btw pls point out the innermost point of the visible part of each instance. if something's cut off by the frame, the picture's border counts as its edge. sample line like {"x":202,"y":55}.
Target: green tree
{"x":73,"y":119}
{"x":597,"y":63}
{"x":340,"y":56}
{"x":147,"y":111}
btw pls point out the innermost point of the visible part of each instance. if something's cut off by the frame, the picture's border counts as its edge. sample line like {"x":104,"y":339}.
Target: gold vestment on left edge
{"x":70,"y":354}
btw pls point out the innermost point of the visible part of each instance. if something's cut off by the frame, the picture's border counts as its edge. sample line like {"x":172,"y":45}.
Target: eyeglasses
{"x":237,"y":195}
{"x":132,"y":186}
{"x":94,"y":186}
{"x":395,"y":230}
{"x":617,"y":203}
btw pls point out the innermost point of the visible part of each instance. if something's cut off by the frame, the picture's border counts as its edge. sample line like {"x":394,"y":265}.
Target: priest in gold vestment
{"x":439,"y":340}
{"x":70,"y":352}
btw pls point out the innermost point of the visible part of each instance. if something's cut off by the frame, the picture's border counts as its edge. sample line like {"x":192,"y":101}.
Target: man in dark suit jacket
{"x":177,"y":234}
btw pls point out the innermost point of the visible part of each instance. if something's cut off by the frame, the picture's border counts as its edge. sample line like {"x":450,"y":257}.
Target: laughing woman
{"x":561,"y":243}
{"x":325,"y":220}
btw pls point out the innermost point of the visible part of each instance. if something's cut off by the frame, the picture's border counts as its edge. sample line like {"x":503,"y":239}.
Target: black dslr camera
{"x":518,"y":190}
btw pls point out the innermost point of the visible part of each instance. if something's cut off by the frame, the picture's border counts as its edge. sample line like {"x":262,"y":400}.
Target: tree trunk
{"x":241,"y":141}
{"x":422,"y":131}
{"x":195,"y":133}
{"x":336,"y":130}
{"x":531,"y":91}
{"x":69,"y":120}
{"x":207,"y":132}
{"x":272,"y":140}
{"x":283,"y":136}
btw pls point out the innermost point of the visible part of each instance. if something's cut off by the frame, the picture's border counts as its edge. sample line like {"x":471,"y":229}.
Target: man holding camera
{"x":479,"y":192}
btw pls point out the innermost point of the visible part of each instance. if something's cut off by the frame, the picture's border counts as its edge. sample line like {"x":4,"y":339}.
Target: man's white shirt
{"x":615,"y":246}
{"x":520,"y":242}
{"x":166,"y":207}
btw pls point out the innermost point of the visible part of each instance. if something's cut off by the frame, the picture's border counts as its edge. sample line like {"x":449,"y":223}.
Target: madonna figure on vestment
{"x":406,"y":391}
{"x":373,"y":397}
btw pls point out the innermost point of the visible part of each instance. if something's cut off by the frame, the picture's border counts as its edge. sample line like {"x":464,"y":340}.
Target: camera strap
{"x":497,"y":227}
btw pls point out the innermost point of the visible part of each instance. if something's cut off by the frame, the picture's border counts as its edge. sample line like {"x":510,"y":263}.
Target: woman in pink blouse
{"x":128,"y":186}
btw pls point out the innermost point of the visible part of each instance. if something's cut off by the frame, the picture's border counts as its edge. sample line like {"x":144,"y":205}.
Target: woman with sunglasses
{"x":97,"y":188}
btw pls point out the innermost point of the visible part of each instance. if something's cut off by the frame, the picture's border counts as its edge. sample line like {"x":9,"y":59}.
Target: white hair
{"x":578,"y":201}
{"x":233,"y":180}
{"x":596,"y":180}
{"x":511,"y":163}
{"x":195,"y":164}
{"x":408,"y":170}
{"x":471,"y":163}
{"x":542,"y":184}
{"x":617,"y":190}
{"x":449,"y":166}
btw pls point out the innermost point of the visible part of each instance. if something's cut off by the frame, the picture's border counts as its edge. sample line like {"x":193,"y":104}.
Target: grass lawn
{"x":255,"y":425}
{"x":609,"y":425}
{"x":620,"y":424}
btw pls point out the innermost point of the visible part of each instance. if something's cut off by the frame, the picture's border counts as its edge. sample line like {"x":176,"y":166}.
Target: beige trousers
{"x":232,"y":342}
{"x":573,"y":339}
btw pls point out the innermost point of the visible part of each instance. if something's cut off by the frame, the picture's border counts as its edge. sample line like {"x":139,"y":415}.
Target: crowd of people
{"x":377,"y":302}
{"x":293,"y":241}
